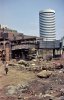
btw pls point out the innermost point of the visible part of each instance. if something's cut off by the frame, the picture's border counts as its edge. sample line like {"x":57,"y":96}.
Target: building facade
{"x":47,"y":24}
{"x":14,"y":45}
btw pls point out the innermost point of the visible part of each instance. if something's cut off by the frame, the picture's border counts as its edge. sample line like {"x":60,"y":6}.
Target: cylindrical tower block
{"x":47,"y":24}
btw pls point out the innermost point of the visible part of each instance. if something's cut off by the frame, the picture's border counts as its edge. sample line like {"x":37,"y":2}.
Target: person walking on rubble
{"x":6,"y":68}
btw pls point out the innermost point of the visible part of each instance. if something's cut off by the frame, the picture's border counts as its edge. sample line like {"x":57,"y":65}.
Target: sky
{"x":23,"y":15}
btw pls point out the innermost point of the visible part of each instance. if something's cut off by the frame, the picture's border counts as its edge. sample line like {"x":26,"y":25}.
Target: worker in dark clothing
{"x":6,"y":68}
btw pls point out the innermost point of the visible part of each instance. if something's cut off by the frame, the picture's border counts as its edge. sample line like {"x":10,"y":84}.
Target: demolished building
{"x":14,"y":45}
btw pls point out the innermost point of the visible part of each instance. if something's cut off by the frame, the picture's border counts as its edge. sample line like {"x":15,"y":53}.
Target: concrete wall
{"x":45,"y":52}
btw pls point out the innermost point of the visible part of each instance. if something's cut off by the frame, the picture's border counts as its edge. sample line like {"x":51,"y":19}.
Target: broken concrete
{"x":44,"y":74}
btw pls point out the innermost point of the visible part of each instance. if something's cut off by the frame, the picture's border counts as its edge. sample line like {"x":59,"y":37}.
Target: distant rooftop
{"x":5,"y":27}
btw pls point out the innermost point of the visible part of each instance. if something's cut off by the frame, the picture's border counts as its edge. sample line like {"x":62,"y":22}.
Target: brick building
{"x":15,"y":45}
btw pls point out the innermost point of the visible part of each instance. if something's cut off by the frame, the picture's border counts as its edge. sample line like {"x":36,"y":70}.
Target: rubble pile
{"x":44,"y":74}
{"x":26,"y":65}
{"x":47,"y":85}
{"x":23,"y":62}
{"x":37,"y":65}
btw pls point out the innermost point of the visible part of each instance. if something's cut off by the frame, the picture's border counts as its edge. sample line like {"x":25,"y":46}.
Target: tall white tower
{"x":47,"y":24}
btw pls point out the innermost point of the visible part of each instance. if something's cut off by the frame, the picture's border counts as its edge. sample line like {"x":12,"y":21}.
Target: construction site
{"x":14,"y":45}
{"x":35,"y":67}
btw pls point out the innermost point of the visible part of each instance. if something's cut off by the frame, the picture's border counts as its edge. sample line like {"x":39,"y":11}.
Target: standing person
{"x":6,"y":67}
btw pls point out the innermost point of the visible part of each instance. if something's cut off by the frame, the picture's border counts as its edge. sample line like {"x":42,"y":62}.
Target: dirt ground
{"x":13,"y":77}
{"x":25,"y":85}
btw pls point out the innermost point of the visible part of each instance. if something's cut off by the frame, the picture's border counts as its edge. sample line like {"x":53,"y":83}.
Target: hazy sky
{"x":23,"y":15}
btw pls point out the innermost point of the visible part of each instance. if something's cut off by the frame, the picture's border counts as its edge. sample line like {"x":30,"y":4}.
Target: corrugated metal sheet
{"x":49,"y":44}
